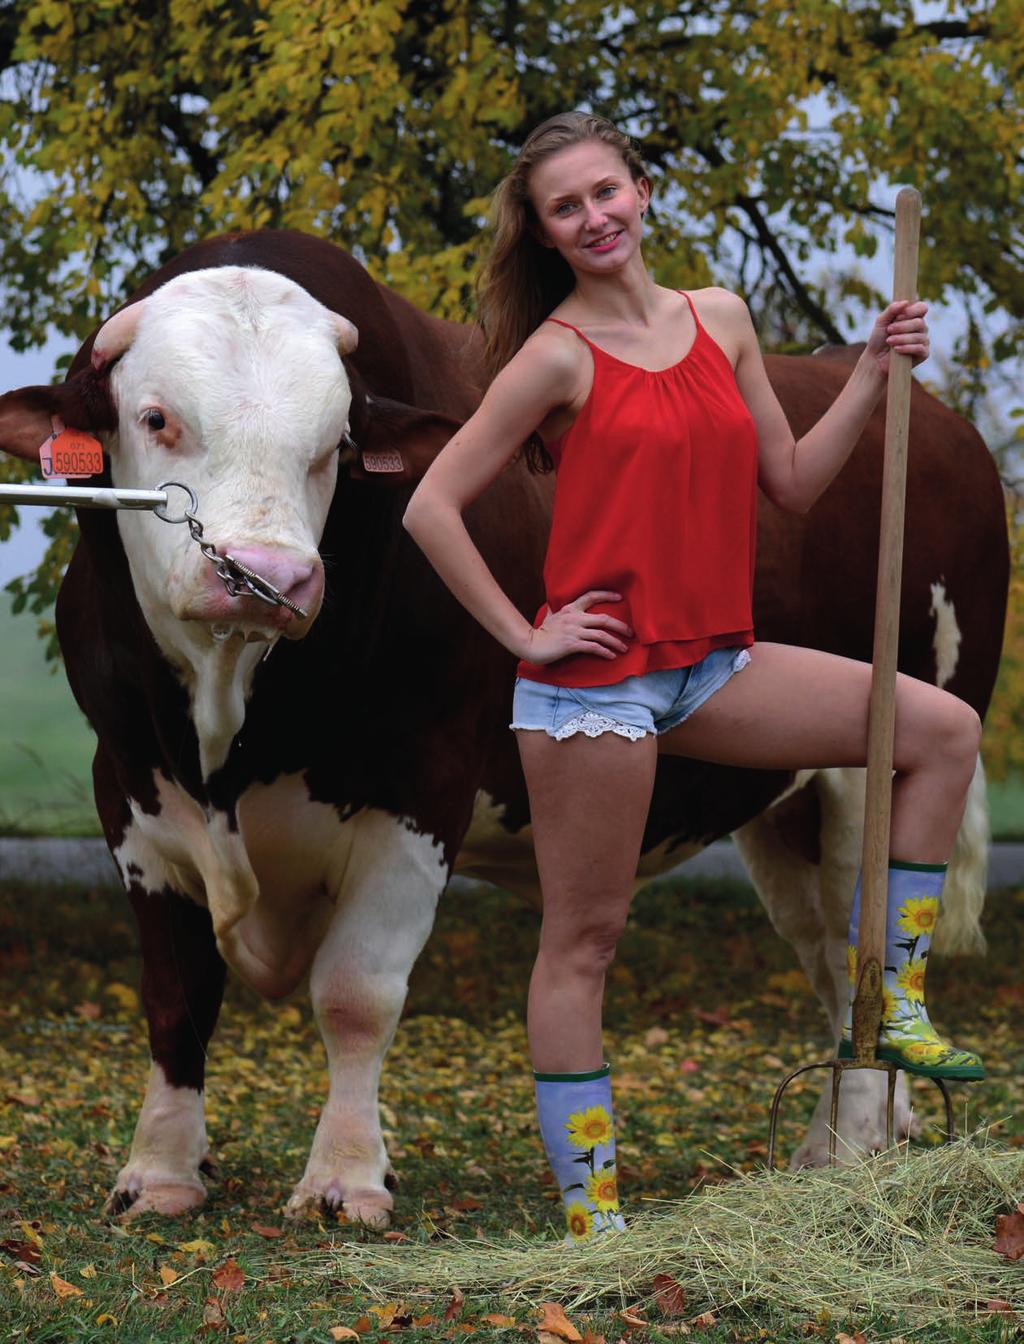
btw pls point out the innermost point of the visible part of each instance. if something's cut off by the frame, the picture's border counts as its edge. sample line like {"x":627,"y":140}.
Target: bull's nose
{"x":297,"y":577}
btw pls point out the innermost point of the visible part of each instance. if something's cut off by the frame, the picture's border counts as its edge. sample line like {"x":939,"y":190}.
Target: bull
{"x":286,"y":789}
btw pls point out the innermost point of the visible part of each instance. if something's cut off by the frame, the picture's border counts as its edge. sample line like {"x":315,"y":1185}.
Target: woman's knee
{"x":949,"y":737}
{"x":587,"y":948}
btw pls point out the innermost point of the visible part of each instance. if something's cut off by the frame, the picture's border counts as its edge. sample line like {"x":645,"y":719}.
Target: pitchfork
{"x":867,"y":1006}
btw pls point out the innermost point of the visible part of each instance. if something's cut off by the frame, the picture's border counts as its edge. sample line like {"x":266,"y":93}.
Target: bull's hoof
{"x":371,"y":1207}
{"x":170,"y":1199}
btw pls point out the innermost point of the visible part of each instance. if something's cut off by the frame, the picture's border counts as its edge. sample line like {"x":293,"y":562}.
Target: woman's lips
{"x":604,"y":243}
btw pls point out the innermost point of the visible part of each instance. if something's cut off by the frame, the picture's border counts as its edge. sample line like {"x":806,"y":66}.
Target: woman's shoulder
{"x":715,"y":299}
{"x":555,"y":344}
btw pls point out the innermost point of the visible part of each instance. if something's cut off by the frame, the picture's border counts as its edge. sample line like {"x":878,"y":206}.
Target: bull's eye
{"x":155,"y":421}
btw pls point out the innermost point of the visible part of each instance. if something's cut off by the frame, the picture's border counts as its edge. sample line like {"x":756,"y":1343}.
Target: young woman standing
{"x":657,"y":413}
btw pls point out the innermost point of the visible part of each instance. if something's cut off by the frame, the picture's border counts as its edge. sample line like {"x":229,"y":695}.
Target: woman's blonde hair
{"x":522,"y":281}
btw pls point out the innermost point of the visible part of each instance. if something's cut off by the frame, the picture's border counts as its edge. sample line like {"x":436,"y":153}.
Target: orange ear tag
{"x":70,"y":454}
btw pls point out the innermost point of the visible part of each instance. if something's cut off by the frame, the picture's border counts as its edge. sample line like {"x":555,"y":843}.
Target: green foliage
{"x":131,"y":129}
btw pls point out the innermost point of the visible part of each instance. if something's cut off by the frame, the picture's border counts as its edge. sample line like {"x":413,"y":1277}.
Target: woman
{"x":657,"y":412}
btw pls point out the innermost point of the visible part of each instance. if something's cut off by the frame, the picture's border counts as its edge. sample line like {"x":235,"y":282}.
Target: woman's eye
{"x":155,"y":421}
{"x":566,"y":205}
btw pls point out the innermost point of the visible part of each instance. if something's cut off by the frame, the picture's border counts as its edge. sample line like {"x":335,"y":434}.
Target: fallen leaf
{"x":362,"y":1326}
{"x":467,"y":1204}
{"x":424,"y":1320}
{"x":498,"y":1320}
{"x":213,"y":1315}
{"x":719,"y":1018}
{"x":396,"y":1236}
{"x":554,"y":1321}
{"x":546,"y":1337}
{"x":669,"y":1295}
{"x":88,"y":1271}
{"x":999,"y":1305}
{"x":62,"y":1288}
{"x":262,"y":1230}
{"x":455,"y":1305}
{"x":856,"y":1338}
{"x":197,"y":1247}
{"x":631,"y":1316}
{"x":707,"y":1320}
{"x":168,"y":1275}
{"x":229,"y":1276}
{"x":343,"y":1332}
{"x":656,"y":1036}
{"x":90,"y":1011}
{"x":386,"y":1314}
{"x":1010,"y":1234}
{"x":105,"y":1318}
{"x":27,"y":1251}
{"x":590,"y":1338}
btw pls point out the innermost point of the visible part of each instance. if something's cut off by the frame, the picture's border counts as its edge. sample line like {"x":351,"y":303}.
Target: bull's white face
{"x":232,"y":384}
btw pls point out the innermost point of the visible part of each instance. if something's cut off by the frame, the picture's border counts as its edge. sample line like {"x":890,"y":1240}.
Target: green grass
{"x":705,"y":1013}
{"x":46,"y":745}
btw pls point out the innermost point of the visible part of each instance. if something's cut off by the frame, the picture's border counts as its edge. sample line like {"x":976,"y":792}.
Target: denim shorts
{"x":632,"y":708}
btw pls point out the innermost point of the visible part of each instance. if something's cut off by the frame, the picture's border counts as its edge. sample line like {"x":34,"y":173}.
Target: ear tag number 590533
{"x":70,"y":453}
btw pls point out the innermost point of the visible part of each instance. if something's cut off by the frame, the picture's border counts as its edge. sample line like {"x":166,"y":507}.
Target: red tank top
{"x":656,"y":499}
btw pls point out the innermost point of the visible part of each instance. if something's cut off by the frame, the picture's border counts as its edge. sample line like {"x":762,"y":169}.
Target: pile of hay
{"x":902,"y":1235}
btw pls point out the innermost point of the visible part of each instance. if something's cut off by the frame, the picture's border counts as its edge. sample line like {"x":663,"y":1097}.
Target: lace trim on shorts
{"x":593,"y":725}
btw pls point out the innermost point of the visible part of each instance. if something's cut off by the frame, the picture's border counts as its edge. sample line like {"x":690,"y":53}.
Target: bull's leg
{"x":385,"y":911}
{"x":182,"y":986}
{"x":802,"y":856}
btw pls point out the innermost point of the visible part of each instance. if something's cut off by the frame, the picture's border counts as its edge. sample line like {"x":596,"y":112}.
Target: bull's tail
{"x":959,"y":929}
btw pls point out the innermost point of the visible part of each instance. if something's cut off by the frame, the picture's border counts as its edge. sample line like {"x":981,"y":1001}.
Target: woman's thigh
{"x":793,"y":708}
{"x":589,"y":799}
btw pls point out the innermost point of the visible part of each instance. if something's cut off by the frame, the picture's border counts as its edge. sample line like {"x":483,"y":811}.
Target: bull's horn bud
{"x":116,"y":335}
{"x":347,"y":334}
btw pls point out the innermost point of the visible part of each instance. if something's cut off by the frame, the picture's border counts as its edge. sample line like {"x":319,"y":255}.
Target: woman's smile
{"x":605,"y":243}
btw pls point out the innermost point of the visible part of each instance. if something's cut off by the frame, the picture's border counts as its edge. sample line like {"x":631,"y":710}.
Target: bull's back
{"x":816,"y":574}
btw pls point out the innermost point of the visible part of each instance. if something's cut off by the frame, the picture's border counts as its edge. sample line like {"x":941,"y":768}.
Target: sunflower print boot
{"x":575,"y":1115}
{"x":906,"y":1036}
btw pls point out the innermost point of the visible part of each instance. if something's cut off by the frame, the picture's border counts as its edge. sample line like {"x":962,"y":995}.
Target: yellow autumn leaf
{"x":124,"y":995}
{"x":88,"y":1271}
{"x":168,"y":1275}
{"x":196,"y":1247}
{"x":62,"y":1288}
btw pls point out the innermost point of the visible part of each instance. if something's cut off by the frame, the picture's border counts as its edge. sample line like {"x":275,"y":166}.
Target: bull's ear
{"x":27,"y":415}
{"x":394,"y":443}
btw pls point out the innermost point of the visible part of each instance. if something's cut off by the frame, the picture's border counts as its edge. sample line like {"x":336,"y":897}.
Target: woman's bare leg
{"x":589,"y":799}
{"x":797,"y":707}
{"x":800,"y":708}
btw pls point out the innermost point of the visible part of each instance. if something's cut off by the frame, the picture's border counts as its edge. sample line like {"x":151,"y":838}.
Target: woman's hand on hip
{"x":574,"y":629}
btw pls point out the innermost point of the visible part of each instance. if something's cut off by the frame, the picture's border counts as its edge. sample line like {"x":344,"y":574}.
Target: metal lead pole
{"x":83,"y":496}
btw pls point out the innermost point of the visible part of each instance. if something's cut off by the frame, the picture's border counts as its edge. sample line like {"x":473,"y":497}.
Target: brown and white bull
{"x":288,"y":796}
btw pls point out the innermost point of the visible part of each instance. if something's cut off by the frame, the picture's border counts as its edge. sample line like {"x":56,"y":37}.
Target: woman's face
{"x":588,"y":206}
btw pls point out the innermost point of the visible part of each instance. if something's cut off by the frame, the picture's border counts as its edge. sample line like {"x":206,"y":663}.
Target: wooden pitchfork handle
{"x":867,"y":1006}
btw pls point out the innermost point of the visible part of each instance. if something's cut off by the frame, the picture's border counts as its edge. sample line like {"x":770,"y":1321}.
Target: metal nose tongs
{"x":867,"y":1006}
{"x":238,"y":579}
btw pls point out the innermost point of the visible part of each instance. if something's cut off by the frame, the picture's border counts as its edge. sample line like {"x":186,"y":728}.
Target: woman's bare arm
{"x":793,"y":473}
{"x":542,"y":377}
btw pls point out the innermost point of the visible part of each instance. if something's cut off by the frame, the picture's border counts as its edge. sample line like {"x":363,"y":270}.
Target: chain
{"x":237,"y":578}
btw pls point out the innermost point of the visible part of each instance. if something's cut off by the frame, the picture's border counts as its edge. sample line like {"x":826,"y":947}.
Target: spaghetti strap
{"x":693,"y":310}
{"x":569,"y":325}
